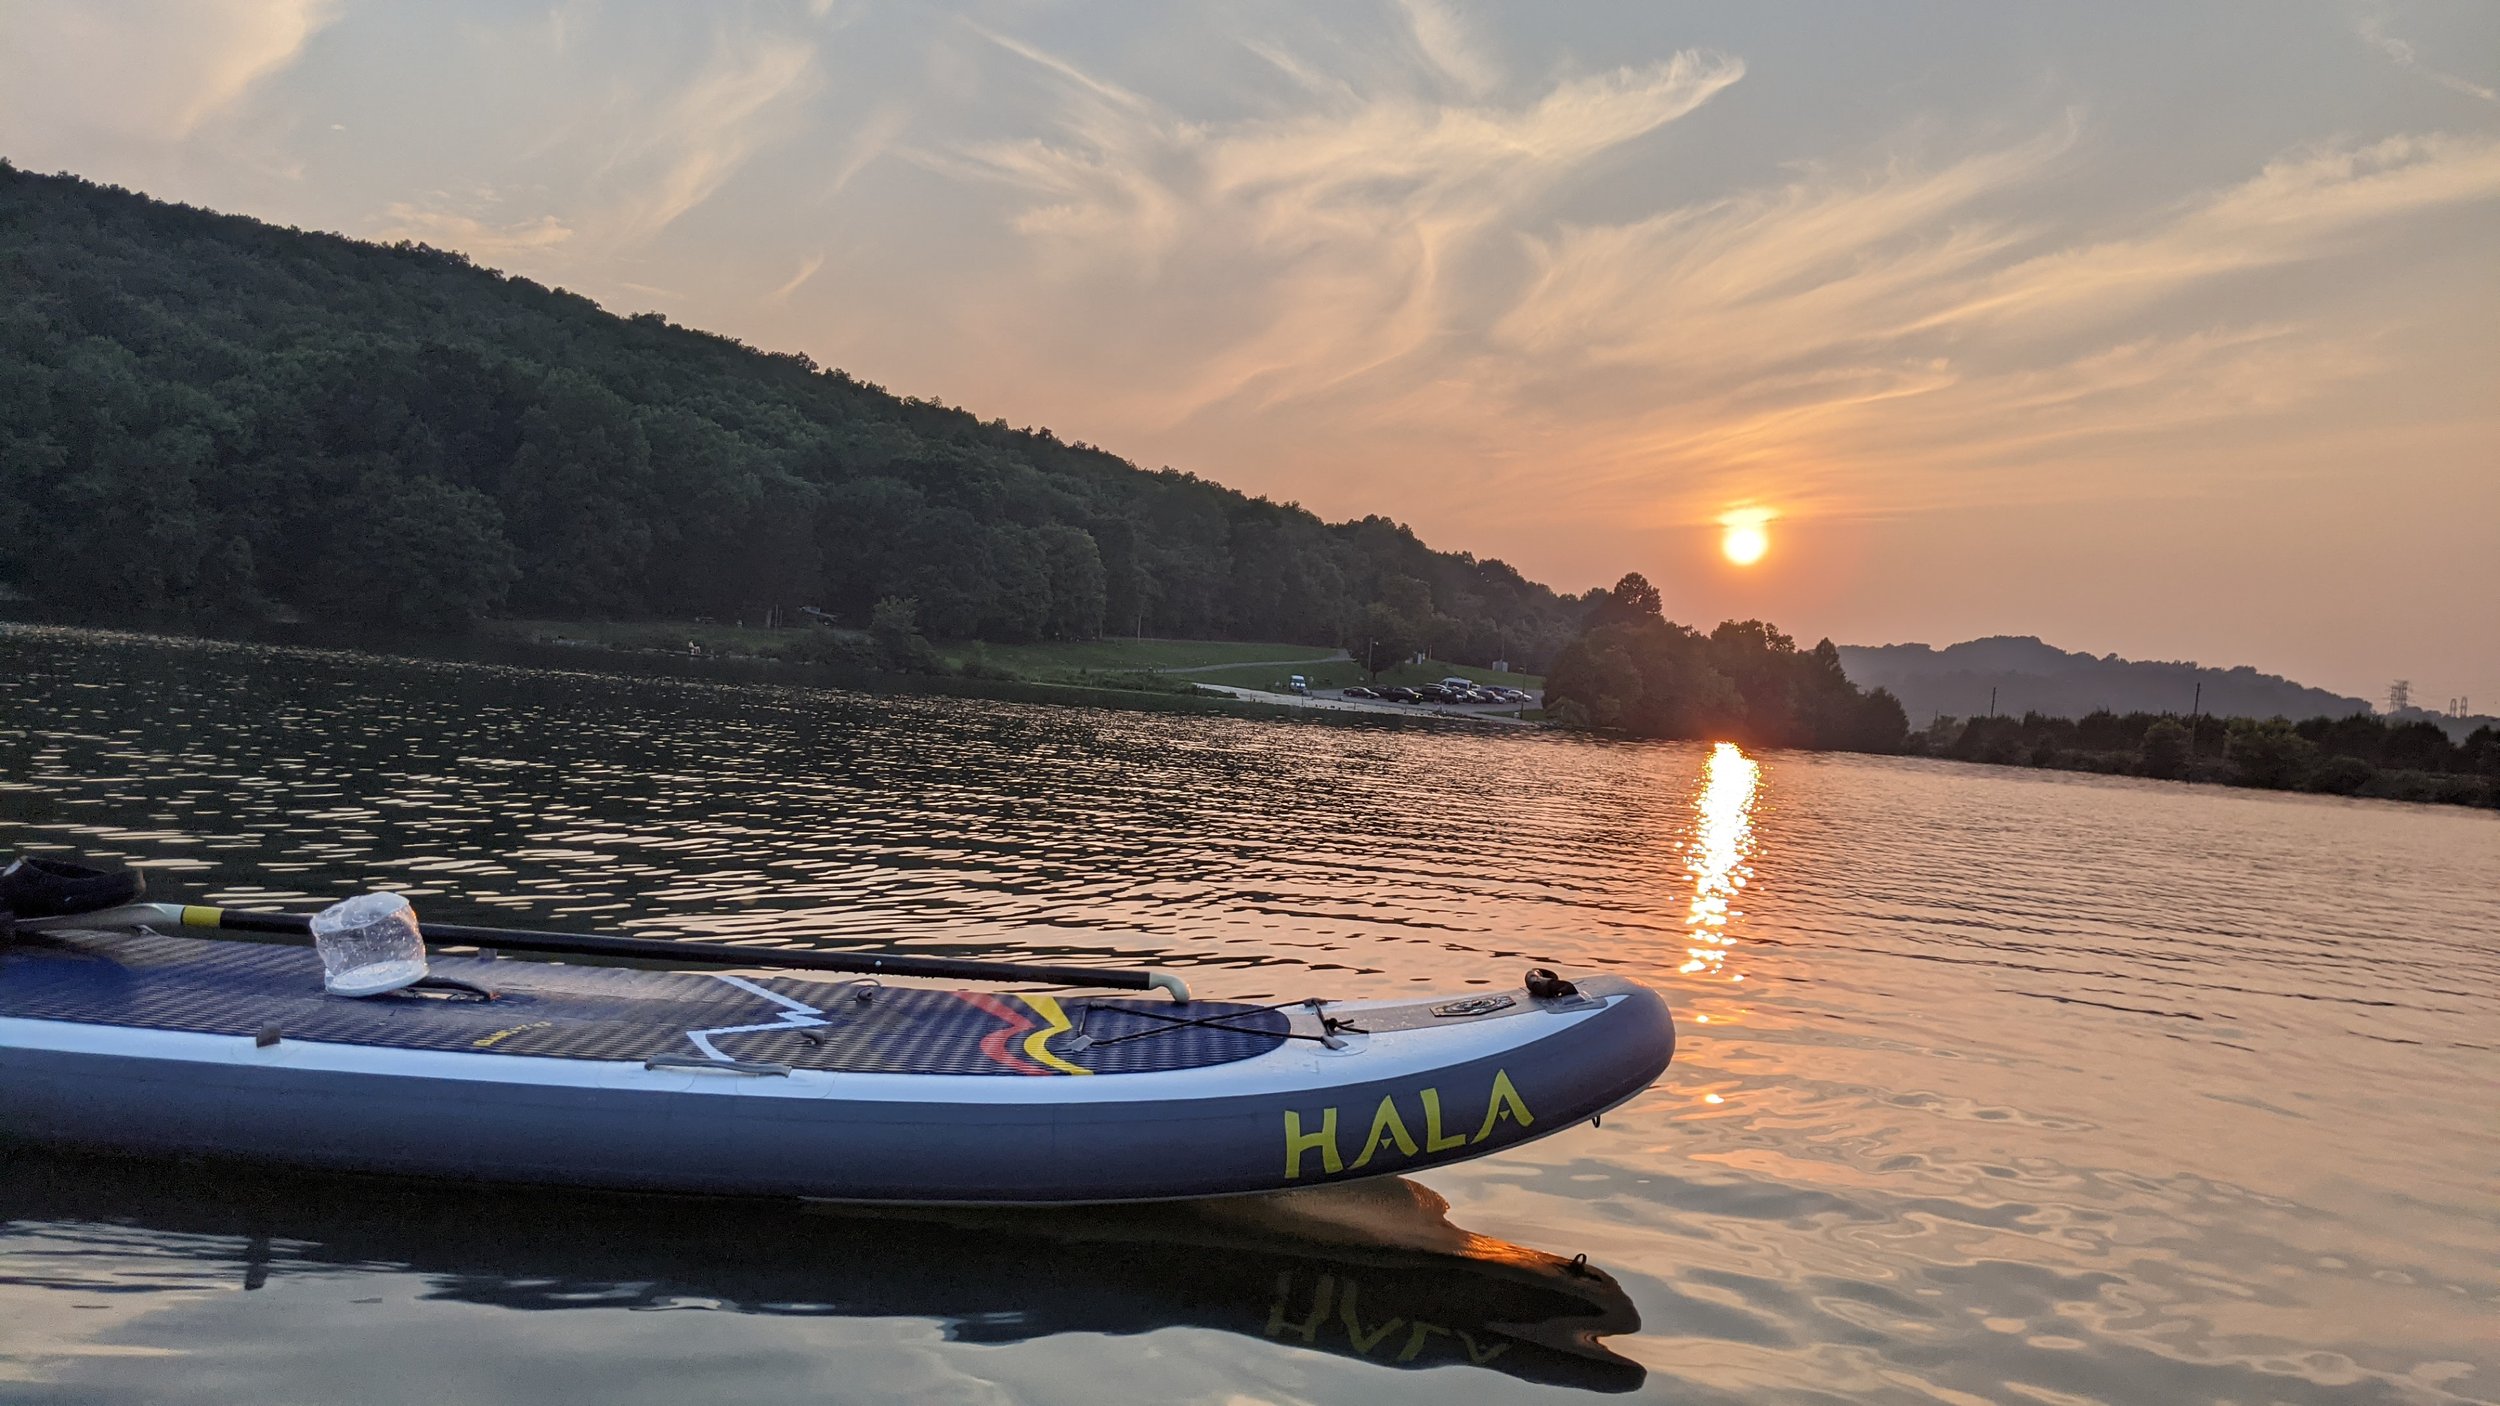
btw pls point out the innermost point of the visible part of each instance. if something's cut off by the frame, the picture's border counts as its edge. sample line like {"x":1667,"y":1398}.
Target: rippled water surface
{"x":1994,"y":1086}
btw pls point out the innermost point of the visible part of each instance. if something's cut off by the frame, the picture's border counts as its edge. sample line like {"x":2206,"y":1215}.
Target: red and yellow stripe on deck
{"x":1036,"y":1046}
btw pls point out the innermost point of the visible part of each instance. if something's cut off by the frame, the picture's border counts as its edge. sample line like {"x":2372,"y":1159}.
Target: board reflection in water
{"x":1369,"y":1270}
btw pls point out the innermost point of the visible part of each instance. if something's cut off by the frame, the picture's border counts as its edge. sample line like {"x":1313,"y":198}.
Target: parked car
{"x":1358,"y":691}
{"x":1395,"y":694}
{"x":1454,"y":681}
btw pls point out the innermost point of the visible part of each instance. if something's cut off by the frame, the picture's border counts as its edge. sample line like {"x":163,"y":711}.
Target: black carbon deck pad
{"x":564,"y":1011}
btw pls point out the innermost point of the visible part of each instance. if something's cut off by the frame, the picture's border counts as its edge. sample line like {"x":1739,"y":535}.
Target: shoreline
{"x":507,"y":647}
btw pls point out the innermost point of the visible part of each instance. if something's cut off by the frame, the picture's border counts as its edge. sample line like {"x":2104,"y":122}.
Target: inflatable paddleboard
{"x":725,"y":1083}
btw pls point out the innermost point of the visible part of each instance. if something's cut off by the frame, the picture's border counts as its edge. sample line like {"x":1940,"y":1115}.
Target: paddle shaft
{"x":712,"y":954}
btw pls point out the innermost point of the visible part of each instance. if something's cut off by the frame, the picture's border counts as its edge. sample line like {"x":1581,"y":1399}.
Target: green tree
{"x":1648,"y":678}
{"x":412,"y":552}
{"x":2341,"y":776}
{"x":2480,"y":753}
{"x":1073,"y":565}
{"x":895,"y":625}
{"x":1382,"y":638}
{"x":1633,"y":601}
{"x":2268,"y":754}
{"x":2164,"y":752}
{"x":1880,"y":724}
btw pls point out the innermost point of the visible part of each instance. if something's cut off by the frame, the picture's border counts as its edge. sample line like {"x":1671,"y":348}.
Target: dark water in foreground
{"x":1994,"y":1086}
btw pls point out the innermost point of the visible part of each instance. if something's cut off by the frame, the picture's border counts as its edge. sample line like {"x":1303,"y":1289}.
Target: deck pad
{"x":150,"y":981}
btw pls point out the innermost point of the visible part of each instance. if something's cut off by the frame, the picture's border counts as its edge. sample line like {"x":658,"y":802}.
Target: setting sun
{"x":1745,"y":539}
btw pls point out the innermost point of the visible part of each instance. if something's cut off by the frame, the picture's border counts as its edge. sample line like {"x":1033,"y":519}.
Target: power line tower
{"x":2399,"y":695}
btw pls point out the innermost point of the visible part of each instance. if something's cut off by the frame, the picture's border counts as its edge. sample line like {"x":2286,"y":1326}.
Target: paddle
{"x":639,"y":948}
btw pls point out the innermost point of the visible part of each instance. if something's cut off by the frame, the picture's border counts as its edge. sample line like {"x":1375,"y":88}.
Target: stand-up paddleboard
{"x":723,"y":1082}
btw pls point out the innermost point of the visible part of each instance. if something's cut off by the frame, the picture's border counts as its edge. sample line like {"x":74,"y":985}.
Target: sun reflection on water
{"x":1722,"y":843}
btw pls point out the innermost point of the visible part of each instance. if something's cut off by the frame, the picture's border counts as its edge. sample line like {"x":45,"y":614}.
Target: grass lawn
{"x":1129,"y":664}
{"x":671,"y":636}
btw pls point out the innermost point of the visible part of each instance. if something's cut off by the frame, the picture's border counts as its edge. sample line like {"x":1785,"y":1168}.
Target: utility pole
{"x":1992,"y":702}
{"x":2196,"y":709}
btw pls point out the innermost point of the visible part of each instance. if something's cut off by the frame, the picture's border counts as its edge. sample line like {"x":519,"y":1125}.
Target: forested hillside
{"x":2029,"y":676}
{"x":206,"y":414}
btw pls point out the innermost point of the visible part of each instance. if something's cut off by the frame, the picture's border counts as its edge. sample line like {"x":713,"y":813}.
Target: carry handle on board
{"x":565,"y":944}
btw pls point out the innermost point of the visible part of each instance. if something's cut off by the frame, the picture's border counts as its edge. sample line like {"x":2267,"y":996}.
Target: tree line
{"x":2361,"y":754}
{"x":204,"y":415}
{"x":1632,"y":670}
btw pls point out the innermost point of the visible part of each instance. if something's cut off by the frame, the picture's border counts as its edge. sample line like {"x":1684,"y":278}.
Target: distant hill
{"x":203,"y":414}
{"x":2458,"y":727}
{"x":2031,"y":676}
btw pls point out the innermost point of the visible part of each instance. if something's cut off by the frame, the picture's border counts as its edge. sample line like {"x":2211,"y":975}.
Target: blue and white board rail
{"x":730,"y":1083}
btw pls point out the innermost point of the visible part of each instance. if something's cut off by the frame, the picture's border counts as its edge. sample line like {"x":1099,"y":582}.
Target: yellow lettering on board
{"x":1432,"y":1125}
{"x":1308,"y":1329}
{"x":1297,"y":1143}
{"x":1504,"y":1099}
{"x":1415,"y":1340}
{"x":489,"y":1042}
{"x":1386,"y":1127}
{"x":1363,"y":1342}
{"x":1480,"y":1356}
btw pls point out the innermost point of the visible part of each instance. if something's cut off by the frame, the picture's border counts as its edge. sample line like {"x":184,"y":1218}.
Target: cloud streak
{"x":445,"y":229}
{"x":679,"y":154}
{"x":2373,"y":31}
{"x":1864,"y":336}
{"x":158,"y":71}
{"x":1302,"y":253}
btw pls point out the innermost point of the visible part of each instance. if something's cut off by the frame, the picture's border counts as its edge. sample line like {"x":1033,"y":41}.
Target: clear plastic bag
{"x":369,"y":945}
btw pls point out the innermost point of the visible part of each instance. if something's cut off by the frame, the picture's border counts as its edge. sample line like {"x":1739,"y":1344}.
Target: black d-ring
{"x":1545,"y":985}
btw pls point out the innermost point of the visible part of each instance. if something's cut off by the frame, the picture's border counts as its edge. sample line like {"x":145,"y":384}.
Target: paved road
{"x":1487,"y":713}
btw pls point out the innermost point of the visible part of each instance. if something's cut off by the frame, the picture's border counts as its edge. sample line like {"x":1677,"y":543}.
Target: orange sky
{"x":2170,"y":334}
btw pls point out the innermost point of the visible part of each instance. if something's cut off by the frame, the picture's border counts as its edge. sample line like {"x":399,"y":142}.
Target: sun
{"x":1745,"y":538}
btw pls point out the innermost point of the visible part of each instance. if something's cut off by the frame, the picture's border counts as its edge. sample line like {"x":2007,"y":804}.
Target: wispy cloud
{"x":1870,"y":344}
{"x":2373,"y":31}
{"x":155,"y":71}
{"x":675,"y":154}
{"x":1862,"y":336}
{"x":807,"y":270}
{"x":2299,"y":207}
{"x":1450,"y":44}
{"x":446,"y":229}
{"x":1306,"y":251}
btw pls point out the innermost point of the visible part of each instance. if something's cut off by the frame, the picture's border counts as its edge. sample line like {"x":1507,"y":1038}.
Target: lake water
{"x":1993,"y":1085}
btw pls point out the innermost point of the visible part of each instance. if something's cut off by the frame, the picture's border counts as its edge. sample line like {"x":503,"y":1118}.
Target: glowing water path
{"x":1722,"y":843}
